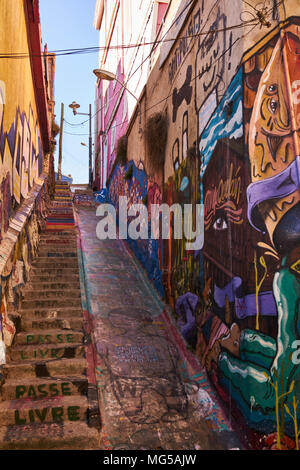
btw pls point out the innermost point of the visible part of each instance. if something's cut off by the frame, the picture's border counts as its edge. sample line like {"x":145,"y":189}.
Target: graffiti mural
{"x":248,"y":330}
{"x":21,"y":155}
{"x":267,"y":377}
{"x":233,"y":146}
{"x":132,"y":181}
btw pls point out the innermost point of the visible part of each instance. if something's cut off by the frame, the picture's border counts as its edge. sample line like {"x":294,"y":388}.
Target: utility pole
{"x":74,"y":106}
{"x":60,"y":141}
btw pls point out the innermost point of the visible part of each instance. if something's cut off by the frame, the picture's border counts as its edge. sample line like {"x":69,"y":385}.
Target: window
{"x":162,"y":7}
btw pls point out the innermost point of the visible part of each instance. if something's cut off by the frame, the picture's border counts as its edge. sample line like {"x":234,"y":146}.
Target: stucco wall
{"x":22,"y":191}
{"x":20,"y":141}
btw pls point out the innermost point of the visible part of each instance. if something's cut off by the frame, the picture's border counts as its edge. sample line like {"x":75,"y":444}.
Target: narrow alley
{"x":94,"y":336}
{"x":152,"y":394}
{"x":149,"y":227}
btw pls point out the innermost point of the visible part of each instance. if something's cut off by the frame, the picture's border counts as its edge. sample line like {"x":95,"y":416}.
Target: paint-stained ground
{"x":152,"y":392}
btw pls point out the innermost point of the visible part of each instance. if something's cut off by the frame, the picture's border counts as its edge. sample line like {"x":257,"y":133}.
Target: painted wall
{"x":231,"y":93}
{"x":121,"y":22}
{"x":131,"y":181}
{"x":23,"y":141}
{"x":20,"y":139}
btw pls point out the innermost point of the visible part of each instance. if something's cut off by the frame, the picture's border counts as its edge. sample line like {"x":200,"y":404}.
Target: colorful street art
{"x":20,"y":167}
{"x":233,"y":145}
{"x":17,"y":251}
{"x":23,"y":188}
{"x":131,"y":181}
{"x":21,"y":155}
{"x":248,"y":328}
{"x":264,"y":379}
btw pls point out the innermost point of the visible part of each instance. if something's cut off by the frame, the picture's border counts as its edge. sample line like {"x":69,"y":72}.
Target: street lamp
{"x":84,"y":144}
{"x":74,"y":106}
{"x":106,"y":75}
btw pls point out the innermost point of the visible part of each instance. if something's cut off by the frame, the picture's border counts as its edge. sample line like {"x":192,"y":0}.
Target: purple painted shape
{"x":231,"y":290}
{"x":246,"y":306}
{"x":281,"y":185}
{"x":185,"y":308}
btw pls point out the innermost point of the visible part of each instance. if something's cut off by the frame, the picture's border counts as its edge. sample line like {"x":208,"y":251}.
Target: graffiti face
{"x":270,"y":133}
{"x":271,"y":116}
{"x":273,"y":138}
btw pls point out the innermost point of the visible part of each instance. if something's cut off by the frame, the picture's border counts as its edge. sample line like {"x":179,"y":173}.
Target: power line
{"x":72,"y":124}
{"x":192,"y":79}
{"x":241,"y":25}
{"x":144,"y":60}
{"x":70,"y":133}
{"x":98,"y":48}
{"x":211,"y":31}
{"x":66,"y":52}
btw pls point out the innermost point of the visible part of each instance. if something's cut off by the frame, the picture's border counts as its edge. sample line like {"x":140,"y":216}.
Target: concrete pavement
{"x":152,"y":392}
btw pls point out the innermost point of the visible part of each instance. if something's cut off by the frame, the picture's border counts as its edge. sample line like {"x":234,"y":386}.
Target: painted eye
{"x":273,"y":105}
{"x":272,"y":88}
{"x":220,"y":224}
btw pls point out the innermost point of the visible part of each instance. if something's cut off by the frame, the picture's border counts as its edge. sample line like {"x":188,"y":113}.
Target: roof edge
{"x":32,"y":16}
{"x":99,"y":10}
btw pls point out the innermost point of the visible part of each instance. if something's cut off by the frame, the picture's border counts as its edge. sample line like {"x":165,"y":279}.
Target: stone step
{"x":55,"y":203}
{"x":38,"y":271}
{"x":50,"y":304}
{"x":60,"y":217}
{"x":61,"y":211}
{"x":54,"y":252}
{"x":50,"y":436}
{"x":57,"y":235}
{"x":51,"y":314}
{"x":58,"y":278}
{"x":62,"y":204}
{"x":57,"y":241}
{"x":44,"y":338}
{"x":55,"y":263}
{"x":62,"y":192}
{"x":47,"y":401}
{"x":46,"y":410}
{"x":45,"y":352}
{"x":41,"y":369}
{"x":28,"y":324}
{"x":49,"y":253}
{"x":51,"y":294}
{"x":56,"y":286}
{"x":47,"y":387}
{"x":58,"y":247}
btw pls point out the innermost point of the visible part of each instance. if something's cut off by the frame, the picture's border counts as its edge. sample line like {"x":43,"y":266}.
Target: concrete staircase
{"x":48,"y":400}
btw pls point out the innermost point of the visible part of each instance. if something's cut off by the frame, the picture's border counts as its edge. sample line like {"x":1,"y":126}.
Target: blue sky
{"x":68,"y":24}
